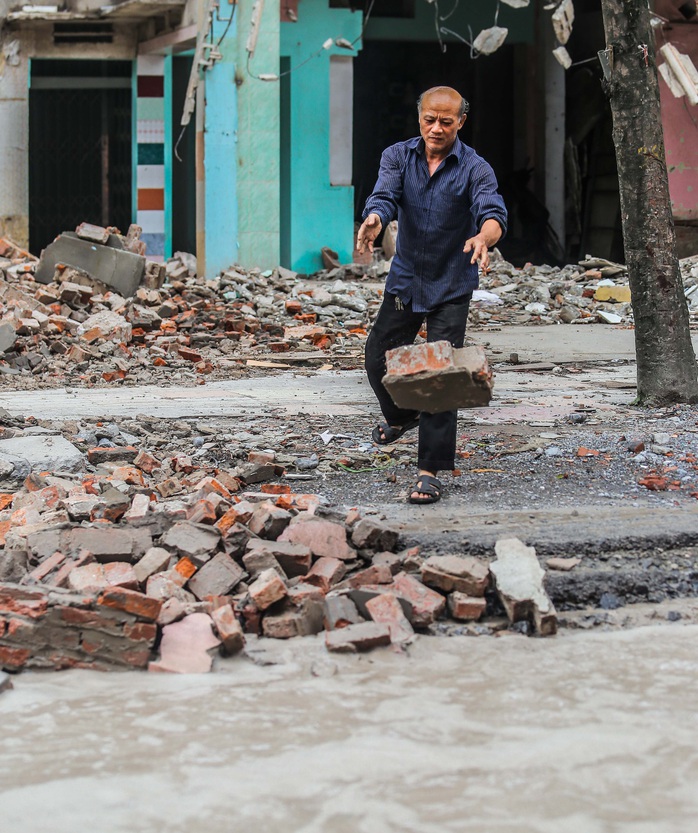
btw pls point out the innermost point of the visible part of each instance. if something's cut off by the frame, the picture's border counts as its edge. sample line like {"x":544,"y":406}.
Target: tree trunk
{"x":666,"y":363}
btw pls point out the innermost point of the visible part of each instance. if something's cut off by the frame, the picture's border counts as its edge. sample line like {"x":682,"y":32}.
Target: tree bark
{"x":666,"y":363}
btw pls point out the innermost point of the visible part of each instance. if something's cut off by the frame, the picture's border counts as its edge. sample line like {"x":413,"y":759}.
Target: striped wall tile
{"x":150,"y":153}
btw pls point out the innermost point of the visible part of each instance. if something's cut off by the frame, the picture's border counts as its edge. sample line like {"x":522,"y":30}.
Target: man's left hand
{"x":478,"y":246}
{"x":488,"y":236}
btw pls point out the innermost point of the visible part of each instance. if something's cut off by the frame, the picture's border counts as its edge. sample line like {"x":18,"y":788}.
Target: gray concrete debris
{"x":42,"y":453}
{"x":518,"y":578}
{"x":119,"y":269}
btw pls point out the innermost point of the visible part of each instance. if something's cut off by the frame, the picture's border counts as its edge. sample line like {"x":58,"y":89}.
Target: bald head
{"x":442,"y":96}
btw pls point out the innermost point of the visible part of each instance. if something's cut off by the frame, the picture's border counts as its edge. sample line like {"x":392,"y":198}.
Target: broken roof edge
{"x":134,"y":9}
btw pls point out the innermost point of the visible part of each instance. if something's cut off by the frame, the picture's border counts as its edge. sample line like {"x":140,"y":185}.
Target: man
{"x":449,"y":215}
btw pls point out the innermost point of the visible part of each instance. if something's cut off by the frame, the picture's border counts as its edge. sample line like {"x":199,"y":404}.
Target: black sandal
{"x":426,"y":485}
{"x":389,"y":433}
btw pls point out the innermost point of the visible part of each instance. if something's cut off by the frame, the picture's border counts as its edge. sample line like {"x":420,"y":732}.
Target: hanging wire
{"x":442,"y":45}
{"x":220,"y":40}
{"x":451,"y":13}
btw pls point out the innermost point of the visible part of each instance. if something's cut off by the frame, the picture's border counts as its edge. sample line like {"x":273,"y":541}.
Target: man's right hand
{"x":370,"y":229}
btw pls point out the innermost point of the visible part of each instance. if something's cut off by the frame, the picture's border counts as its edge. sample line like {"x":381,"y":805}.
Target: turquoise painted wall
{"x":220,"y":158}
{"x":258,"y":140}
{"x":320,"y":214}
{"x":477,"y":16}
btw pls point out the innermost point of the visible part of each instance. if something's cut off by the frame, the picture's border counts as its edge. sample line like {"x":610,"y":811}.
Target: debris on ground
{"x":116,"y":566}
{"x":81,"y":325}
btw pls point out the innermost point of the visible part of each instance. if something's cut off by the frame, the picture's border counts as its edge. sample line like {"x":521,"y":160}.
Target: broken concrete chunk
{"x":269,"y":521}
{"x":386,"y":610}
{"x":361,"y":637}
{"x":452,"y":572}
{"x":369,"y":533}
{"x":519,"y":582}
{"x":325,"y":573}
{"x":195,"y":540}
{"x":435,"y":377}
{"x":44,"y":452}
{"x":340,"y":611}
{"x":268,"y":588}
{"x":229,"y":629}
{"x":466,"y":608}
{"x":323,"y":538}
{"x":302,"y":621}
{"x":294,"y":559}
{"x":186,"y":645}
{"x":105,"y":325}
{"x":216,"y":578}
{"x":154,"y":561}
{"x":119,"y":269}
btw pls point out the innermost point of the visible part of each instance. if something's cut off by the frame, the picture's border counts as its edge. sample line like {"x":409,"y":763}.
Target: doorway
{"x":79,"y":147}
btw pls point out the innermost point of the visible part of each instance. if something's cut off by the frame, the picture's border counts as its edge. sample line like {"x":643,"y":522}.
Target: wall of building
{"x":680,"y":121}
{"x":318,"y":212}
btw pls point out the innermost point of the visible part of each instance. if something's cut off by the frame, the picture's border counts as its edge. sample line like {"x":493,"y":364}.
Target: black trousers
{"x":395,"y":327}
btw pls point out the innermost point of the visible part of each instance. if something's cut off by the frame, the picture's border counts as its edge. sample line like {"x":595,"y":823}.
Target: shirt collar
{"x":458,"y":149}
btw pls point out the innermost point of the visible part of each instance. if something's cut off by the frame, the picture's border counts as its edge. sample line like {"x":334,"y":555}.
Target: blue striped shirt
{"x":436,"y":215}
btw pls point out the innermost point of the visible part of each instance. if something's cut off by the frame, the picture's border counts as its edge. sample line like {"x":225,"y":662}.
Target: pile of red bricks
{"x":77,"y":328}
{"x":182,"y":577}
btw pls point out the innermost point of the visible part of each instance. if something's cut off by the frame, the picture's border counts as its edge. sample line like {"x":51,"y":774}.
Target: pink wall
{"x":680,"y":120}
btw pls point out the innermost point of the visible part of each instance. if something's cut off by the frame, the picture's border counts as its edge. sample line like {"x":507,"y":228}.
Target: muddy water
{"x":585,"y":733}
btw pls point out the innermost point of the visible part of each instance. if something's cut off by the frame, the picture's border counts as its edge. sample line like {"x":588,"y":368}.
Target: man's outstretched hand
{"x":488,"y":236}
{"x":370,"y":229}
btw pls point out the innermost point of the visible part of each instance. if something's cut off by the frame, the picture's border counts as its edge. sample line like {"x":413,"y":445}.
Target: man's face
{"x":439,"y":122}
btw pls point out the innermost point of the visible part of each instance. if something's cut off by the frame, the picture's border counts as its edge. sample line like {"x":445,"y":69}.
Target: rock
{"x":436,"y":377}
{"x":197,"y":541}
{"x":372,"y":534}
{"x":229,"y":629}
{"x":5,"y":682}
{"x":302,"y":621}
{"x":323,"y":538}
{"x":451,"y":572}
{"x":294,"y":559}
{"x":562,"y":564}
{"x":466,"y":608}
{"x":185,"y":646}
{"x":518,"y":579}
{"x":386,"y":610}
{"x":427,"y":605}
{"x":361,"y":637}
{"x":47,"y":452}
{"x":340,"y":611}
{"x":216,"y":578}
{"x":267,"y":588}
{"x":268,"y":521}
{"x":325,"y":573}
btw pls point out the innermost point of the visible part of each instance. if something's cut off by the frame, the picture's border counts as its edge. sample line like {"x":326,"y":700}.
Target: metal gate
{"x":79,"y":148}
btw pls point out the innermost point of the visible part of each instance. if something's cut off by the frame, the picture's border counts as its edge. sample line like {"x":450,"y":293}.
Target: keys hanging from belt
{"x":398,"y":304}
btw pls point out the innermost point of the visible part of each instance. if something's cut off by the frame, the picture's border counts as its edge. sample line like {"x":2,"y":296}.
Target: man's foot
{"x":427,"y":489}
{"x":384,"y":434}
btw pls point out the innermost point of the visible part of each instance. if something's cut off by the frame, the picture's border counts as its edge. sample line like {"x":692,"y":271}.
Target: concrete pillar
{"x":14,"y":141}
{"x":554,"y":81}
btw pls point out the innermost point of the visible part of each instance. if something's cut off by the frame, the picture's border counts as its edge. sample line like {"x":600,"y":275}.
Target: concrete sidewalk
{"x":519,"y":395}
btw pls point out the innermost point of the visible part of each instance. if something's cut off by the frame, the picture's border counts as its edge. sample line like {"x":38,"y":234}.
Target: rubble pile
{"x":78,"y":329}
{"x":145,"y":556}
{"x":595,"y":290}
